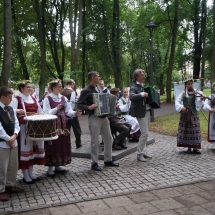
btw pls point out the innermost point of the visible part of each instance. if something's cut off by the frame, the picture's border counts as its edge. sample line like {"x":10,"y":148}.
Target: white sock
{"x":26,"y":175}
{"x":58,"y":168}
{"x":30,"y":172}
{"x":50,"y":170}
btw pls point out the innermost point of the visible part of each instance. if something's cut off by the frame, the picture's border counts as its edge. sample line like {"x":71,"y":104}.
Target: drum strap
{"x":61,"y":120}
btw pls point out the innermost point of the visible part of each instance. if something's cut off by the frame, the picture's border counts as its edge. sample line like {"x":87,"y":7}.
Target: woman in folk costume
{"x":30,"y":152}
{"x":209,"y":106}
{"x":124,"y":105}
{"x":58,"y":152}
{"x":188,"y":104}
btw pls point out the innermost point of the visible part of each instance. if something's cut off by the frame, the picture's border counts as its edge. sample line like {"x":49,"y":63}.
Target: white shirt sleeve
{"x":17,"y":127}
{"x":68,"y":109}
{"x":199,"y":102}
{"x":179,"y":103}
{"x":123,"y":107}
{"x":207,"y":105}
{"x":47,"y":108}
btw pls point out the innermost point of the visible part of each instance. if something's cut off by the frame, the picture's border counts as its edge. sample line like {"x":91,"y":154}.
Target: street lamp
{"x":151,"y":25}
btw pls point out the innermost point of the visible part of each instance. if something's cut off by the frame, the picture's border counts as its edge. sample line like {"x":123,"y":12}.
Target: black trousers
{"x":74,"y":122}
{"x":118,"y":124}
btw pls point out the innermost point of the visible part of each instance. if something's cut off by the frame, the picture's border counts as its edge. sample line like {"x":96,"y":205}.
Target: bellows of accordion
{"x":106,"y":104}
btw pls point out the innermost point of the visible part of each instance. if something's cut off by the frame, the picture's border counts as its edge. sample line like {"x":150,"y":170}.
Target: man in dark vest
{"x":70,"y":94}
{"x":9,"y":129}
{"x":141,"y":111}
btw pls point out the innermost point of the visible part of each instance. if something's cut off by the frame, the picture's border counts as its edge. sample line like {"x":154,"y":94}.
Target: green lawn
{"x":169,"y":124}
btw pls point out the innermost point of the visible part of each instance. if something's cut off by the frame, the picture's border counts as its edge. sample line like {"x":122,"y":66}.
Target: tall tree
{"x":213,"y":55}
{"x":40,"y":12}
{"x":116,"y":45}
{"x":7,"y":44}
{"x":174,"y":27}
{"x":18,"y":44}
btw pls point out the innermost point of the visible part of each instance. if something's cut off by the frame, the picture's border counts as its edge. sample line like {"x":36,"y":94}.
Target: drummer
{"x":30,"y":152}
{"x":58,"y":152}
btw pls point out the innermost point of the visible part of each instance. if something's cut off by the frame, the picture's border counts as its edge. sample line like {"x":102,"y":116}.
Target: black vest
{"x":9,"y":126}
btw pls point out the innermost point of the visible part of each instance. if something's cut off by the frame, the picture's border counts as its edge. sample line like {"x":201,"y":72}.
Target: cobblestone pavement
{"x":170,"y":166}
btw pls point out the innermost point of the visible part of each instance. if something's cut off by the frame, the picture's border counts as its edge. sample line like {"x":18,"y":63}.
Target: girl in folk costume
{"x":188,"y":104}
{"x":124,"y":105}
{"x":58,"y":152}
{"x":30,"y":152}
{"x":209,"y":106}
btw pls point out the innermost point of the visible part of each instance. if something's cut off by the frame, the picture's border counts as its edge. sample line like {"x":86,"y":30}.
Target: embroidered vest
{"x":28,"y":107}
{"x":190,"y":102}
{"x":9,"y":126}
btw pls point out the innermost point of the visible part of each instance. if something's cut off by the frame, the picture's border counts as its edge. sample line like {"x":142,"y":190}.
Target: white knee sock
{"x":50,"y":170}
{"x":26,"y":175}
{"x":30,"y":172}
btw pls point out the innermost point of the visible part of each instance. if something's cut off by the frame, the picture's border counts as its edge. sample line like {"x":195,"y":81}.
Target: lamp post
{"x":151,"y":25}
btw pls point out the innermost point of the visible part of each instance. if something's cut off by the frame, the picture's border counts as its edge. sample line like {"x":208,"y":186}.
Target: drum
{"x":153,"y":99}
{"x":41,"y":127}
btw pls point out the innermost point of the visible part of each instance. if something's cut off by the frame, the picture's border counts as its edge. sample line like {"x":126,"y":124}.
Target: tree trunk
{"x":116,"y":45}
{"x":7,"y":44}
{"x":42,"y":42}
{"x":197,"y":41}
{"x":172,"y":53}
{"x":203,"y":27}
{"x":213,"y":55}
{"x":83,"y":44}
{"x":18,"y":45}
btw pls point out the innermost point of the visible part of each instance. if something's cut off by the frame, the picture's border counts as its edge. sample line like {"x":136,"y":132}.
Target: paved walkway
{"x":172,"y":182}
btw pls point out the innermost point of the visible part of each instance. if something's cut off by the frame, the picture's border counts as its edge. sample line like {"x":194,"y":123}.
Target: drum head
{"x":40,"y":117}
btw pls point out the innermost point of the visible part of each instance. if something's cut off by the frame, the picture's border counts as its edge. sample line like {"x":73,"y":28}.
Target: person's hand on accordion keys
{"x":92,"y":107}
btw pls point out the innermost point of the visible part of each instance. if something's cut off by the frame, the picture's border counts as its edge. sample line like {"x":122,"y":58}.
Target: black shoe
{"x":28,"y":182}
{"x":36,"y":179}
{"x":116,"y":147}
{"x":189,"y":151}
{"x":196,"y":151}
{"x":111,"y":163}
{"x":96,"y":167}
{"x":50,"y":175}
{"x":63,"y":171}
{"x":124,"y":146}
{"x":78,"y":146}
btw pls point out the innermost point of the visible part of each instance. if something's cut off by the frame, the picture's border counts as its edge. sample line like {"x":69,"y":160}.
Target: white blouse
{"x":57,"y":98}
{"x":27,"y":99}
{"x":207,"y":103}
{"x":179,"y":101}
{"x":124,"y":107}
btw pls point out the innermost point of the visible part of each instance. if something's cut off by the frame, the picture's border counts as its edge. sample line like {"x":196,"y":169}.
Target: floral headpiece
{"x":24,"y":82}
{"x":55,"y":81}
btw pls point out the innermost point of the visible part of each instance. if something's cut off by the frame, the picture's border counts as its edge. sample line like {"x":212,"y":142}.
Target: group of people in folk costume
{"x":16,"y":151}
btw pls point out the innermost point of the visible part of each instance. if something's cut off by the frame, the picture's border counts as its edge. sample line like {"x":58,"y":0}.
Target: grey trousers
{"x":144,"y":129}
{"x":8,"y":167}
{"x":100,"y":126}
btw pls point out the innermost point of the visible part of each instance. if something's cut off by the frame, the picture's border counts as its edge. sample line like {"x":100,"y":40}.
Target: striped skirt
{"x":189,"y":134}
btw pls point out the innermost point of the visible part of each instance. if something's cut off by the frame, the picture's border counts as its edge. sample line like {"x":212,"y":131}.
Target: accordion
{"x":106,"y":104}
{"x":153,"y":99}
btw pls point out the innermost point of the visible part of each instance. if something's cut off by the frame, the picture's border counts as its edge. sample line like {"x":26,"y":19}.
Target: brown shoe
{"x":4,"y":197}
{"x":13,"y":190}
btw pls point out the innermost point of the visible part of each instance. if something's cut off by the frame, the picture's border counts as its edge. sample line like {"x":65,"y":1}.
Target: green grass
{"x":169,"y":124}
